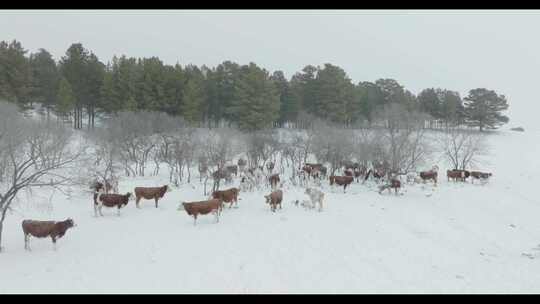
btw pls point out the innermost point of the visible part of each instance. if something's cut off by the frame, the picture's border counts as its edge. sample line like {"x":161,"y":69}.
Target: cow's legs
{"x":137,"y":200}
{"x":156,"y":199}
{"x":99,"y":208}
{"x":26,"y":242}
{"x":54,"y":243}
{"x":118,"y":211}
{"x":95,"y":210}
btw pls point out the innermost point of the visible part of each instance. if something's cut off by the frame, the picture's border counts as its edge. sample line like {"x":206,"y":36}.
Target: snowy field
{"x":455,"y":238}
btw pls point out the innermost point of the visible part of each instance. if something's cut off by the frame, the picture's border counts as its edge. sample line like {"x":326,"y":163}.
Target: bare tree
{"x":261,"y":147}
{"x":217,"y":147}
{"x":404,"y":141}
{"x":333,"y":145}
{"x":32,"y":153}
{"x":101,"y":163}
{"x":462,"y":148}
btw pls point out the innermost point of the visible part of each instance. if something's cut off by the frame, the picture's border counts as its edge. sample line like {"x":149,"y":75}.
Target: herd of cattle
{"x":249,"y":179}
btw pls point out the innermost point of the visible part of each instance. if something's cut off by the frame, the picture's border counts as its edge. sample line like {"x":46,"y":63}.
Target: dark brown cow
{"x":274,"y":180}
{"x":43,"y":229}
{"x":341,"y":181}
{"x":429,"y":175}
{"x":394,"y":184}
{"x":110,"y":201}
{"x":150,"y":193}
{"x":275,"y":198}
{"x":349,"y":172}
{"x":227,"y":196}
{"x":203,"y":207}
{"x":456,"y":175}
{"x":479,"y":175}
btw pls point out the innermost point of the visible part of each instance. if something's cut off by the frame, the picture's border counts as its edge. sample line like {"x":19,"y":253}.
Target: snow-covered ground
{"x":455,"y":238}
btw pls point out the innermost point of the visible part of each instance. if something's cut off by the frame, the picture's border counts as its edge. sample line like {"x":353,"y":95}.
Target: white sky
{"x":457,"y":50}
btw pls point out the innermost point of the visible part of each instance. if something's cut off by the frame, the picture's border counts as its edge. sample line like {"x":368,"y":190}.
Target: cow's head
{"x":167,"y":188}
{"x":129,"y":196}
{"x":181,"y":206}
{"x":267,"y":197}
{"x":70,"y":223}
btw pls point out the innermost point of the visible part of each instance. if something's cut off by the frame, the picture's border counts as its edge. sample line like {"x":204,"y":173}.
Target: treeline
{"x":79,"y":86}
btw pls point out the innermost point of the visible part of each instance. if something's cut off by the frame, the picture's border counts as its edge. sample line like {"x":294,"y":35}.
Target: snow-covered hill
{"x":452,"y":238}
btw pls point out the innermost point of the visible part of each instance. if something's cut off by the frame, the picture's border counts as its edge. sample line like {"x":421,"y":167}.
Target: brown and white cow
{"x":43,"y":229}
{"x":149,"y":193}
{"x":430,"y":175}
{"x":456,"y":175}
{"x":227,"y":196}
{"x":110,"y":200}
{"x":341,"y":181}
{"x":275,"y":198}
{"x":203,"y":207}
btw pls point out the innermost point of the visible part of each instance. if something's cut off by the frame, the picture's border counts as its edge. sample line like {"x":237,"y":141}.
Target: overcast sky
{"x":457,"y":50}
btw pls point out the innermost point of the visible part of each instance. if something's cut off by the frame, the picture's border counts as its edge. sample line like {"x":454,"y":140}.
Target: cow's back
{"x":38,"y":228}
{"x":277,"y":196}
{"x":113,"y":199}
{"x":147,"y":192}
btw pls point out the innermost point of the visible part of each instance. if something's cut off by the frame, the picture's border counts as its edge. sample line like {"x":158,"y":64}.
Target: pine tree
{"x":256,"y":101}
{"x":193,"y":99}
{"x":371,"y":99}
{"x":289,"y":108}
{"x":72,"y":67}
{"x":452,"y":110}
{"x":65,"y":98}
{"x":45,"y":79}
{"x":483,"y":109}
{"x":334,"y":95}
{"x":15,"y":74}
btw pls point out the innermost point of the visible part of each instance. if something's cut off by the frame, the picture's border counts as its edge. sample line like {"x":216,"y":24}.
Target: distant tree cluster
{"x":79,"y":86}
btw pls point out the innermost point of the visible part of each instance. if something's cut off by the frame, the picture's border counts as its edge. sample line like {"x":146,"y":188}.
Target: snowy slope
{"x":454,"y":238}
